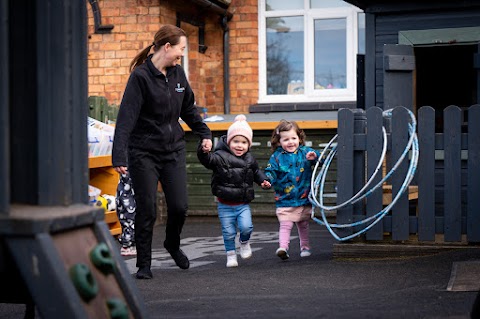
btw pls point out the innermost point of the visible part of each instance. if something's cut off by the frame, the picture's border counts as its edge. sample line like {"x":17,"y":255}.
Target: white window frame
{"x":185,"y":61}
{"x":310,"y":94}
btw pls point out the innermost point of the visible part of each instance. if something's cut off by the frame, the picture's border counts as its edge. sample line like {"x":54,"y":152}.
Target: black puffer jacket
{"x":233,"y":176}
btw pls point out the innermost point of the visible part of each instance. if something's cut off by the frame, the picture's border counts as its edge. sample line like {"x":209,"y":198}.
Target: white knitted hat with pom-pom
{"x":240,"y":127}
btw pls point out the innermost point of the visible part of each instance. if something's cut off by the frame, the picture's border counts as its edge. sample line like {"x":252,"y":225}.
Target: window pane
{"x":272,"y":5}
{"x":285,"y":55}
{"x":330,"y":54}
{"x":328,"y":3}
{"x":361,"y":33}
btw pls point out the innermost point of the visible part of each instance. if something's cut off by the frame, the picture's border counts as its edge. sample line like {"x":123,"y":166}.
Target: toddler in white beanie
{"x":240,"y":127}
{"x":235,"y":170}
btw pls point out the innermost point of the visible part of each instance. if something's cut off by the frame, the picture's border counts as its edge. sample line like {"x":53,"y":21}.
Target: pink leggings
{"x":286,"y":229}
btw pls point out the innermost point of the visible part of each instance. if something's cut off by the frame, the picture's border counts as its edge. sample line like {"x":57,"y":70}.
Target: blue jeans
{"x":232,"y":217}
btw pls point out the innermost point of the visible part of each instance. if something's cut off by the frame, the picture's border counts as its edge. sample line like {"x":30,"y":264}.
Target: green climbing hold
{"x":102,"y":259}
{"x":84,"y":281}
{"x":118,"y":309}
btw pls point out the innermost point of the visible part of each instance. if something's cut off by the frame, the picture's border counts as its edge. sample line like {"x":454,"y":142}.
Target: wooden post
{"x":398,"y":66}
{"x":67,"y":262}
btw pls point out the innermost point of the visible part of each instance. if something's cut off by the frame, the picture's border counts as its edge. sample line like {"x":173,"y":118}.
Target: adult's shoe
{"x":144,"y":273}
{"x":180,"y":259}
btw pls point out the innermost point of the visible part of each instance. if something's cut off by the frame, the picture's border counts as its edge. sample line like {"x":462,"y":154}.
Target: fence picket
{"x":426,"y":174}
{"x":374,"y":151}
{"x":439,"y":173}
{"x":473,"y":189}
{"x":345,"y":168}
{"x":400,"y":215}
{"x":359,"y":127}
{"x":452,"y":157}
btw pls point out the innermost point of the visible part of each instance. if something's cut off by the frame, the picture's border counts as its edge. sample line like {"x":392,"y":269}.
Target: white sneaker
{"x":128,"y":251}
{"x":232,"y":259}
{"x":282,"y":253}
{"x":245,"y":250}
{"x":305,"y":253}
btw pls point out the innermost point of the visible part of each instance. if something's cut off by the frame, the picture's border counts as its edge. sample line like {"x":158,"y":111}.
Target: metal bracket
{"x":201,"y":40}
{"x":97,"y":17}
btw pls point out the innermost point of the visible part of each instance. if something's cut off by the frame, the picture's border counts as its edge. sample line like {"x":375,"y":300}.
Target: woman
{"x":149,"y":141}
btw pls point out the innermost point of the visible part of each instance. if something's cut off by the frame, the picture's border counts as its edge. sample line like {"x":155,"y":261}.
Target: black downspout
{"x":226,"y":65}
{"x":97,"y":19}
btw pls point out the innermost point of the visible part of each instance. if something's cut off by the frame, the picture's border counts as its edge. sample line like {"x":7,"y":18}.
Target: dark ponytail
{"x":140,"y":58}
{"x":167,"y":34}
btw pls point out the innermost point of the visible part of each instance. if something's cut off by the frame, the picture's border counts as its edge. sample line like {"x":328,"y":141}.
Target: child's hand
{"x":266,"y":184}
{"x":206,"y":145}
{"x":311,"y":156}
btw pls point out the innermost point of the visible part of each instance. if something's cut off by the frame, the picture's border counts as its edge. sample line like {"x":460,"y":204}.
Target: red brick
{"x":135,"y":24}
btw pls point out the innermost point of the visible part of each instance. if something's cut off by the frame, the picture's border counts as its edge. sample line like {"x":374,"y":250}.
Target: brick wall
{"x":243,"y":55}
{"x":135,"y":23}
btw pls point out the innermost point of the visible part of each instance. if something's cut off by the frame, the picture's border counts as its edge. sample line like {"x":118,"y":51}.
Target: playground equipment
{"x":57,"y":255}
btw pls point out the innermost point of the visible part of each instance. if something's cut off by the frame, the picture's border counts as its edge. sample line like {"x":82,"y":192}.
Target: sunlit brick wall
{"x":243,"y":55}
{"x":135,"y":23}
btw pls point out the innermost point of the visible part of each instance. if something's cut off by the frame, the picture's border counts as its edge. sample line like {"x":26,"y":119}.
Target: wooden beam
{"x":261,"y":126}
{"x":99,"y":161}
{"x":387,"y":193}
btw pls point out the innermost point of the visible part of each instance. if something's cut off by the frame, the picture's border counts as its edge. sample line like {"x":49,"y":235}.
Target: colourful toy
{"x":101,"y":202}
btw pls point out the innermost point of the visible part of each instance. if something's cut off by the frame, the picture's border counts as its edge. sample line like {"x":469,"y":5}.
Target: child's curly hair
{"x":285,"y":126}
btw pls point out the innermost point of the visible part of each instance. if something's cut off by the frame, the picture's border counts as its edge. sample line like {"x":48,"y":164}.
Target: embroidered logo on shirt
{"x":179,"y":89}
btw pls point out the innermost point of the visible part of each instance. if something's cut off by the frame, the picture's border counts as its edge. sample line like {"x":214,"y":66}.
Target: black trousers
{"x":146,"y":170}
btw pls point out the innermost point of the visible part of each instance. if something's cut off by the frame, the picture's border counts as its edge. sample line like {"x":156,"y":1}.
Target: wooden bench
{"x":387,"y":193}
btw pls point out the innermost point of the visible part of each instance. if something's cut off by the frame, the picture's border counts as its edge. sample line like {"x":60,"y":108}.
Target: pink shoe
{"x":128,"y":251}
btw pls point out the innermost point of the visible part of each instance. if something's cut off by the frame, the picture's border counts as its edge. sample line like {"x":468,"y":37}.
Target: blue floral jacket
{"x":290,"y":175}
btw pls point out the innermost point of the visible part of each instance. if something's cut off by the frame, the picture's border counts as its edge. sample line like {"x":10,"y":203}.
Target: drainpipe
{"x":225,"y":17}
{"x":226,"y":65}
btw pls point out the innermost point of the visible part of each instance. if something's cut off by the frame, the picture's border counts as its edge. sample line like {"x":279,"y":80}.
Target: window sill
{"x":296,"y":107}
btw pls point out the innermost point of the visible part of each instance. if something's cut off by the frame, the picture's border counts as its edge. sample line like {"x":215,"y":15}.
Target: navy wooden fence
{"x":448,"y":173}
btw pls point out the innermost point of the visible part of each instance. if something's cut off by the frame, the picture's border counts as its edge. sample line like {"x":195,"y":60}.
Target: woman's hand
{"x":206,"y":145}
{"x":121,"y":169}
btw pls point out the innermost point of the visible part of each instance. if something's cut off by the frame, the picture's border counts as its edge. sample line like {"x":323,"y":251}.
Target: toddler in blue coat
{"x":290,"y":172}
